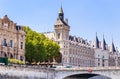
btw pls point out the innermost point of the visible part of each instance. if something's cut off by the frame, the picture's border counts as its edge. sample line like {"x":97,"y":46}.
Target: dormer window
{"x":6,"y":24}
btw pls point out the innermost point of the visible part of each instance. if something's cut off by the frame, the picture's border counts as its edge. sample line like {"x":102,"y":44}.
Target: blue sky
{"x":86,"y":17}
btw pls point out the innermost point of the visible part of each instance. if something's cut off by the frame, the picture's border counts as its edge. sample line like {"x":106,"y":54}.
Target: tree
{"x":38,"y":47}
{"x":52,"y":49}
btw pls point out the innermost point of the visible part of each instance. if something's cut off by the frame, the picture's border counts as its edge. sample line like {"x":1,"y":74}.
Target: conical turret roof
{"x":113,"y":47}
{"x":96,"y":41}
{"x":103,"y":44}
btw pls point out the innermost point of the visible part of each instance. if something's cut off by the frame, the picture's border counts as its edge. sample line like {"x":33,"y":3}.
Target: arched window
{"x":21,"y":58}
{"x":11,"y":56}
{"x":5,"y":55}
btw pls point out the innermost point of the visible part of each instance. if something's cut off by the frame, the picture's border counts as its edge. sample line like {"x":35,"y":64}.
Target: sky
{"x":86,"y":17}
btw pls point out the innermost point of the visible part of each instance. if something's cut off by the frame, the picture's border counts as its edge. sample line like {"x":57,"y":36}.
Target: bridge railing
{"x":87,"y":68}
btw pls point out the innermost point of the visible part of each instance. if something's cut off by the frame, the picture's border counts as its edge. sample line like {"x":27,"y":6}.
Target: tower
{"x":62,"y":29}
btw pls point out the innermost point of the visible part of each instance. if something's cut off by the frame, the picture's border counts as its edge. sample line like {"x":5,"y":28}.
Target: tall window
{"x":4,"y":42}
{"x":21,"y":45}
{"x":58,"y":35}
{"x":98,"y":64}
{"x":11,"y":43}
{"x":21,"y":58}
{"x":21,"y":37}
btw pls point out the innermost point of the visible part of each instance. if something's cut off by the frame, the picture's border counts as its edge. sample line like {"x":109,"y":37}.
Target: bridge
{"x":59,"y":73}
{"x":88,"y":72}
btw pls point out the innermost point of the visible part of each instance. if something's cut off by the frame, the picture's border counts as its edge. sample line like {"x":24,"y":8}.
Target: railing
{"x":87,"y":68}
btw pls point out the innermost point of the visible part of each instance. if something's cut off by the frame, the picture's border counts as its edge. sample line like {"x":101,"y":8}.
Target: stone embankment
{"x":26,"y":72}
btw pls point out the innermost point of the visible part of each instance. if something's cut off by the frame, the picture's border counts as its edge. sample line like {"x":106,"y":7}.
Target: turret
{"x":96,"y":43}
{"x":112,"y":47}
{"x":103,"y":44}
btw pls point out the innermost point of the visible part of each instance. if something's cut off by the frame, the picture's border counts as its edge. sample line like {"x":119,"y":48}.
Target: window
{"x":70,"y":59}
{"x":58,"y":42}
{"x":103,"y":56}
{"x":21,"y":36}
{"x":11,"y":43}
{"x":98,"y":55}
{"x":103,"y":61}
{"x":98,"y":59}
{"x":4,"y":42}
{"x":58,"y":35}
{"x":98,"y":64}
{"x":21,"y":46}
{"x":21,"y":58}
{"x":5,"y":24}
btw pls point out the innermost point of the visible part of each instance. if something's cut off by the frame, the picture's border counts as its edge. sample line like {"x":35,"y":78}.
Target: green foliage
{"x":52,"y":49}
{"x":38,"y":47}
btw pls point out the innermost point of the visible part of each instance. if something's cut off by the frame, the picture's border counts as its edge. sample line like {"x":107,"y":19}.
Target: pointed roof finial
{"x":61,"y":10}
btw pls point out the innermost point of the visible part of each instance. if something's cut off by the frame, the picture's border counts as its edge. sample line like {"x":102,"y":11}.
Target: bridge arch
{"x":65,"y":74}
{"x":86,"y":76}
{"x":80,"y":76}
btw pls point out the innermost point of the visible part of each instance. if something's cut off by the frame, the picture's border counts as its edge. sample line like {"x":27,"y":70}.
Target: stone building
{"x":105,"y":55}
{"x":75,"y":51}
{"x":12,"y":39}
{"x":101,"y":52}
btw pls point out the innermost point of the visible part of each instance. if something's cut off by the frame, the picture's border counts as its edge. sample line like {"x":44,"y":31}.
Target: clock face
{"x":6,"y":24}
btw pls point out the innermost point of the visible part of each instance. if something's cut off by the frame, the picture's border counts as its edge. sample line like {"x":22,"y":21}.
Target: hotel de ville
{"x":76,"y":51}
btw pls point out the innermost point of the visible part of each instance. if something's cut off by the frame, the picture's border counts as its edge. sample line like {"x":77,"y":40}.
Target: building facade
{"x":12,"y":39}
{"x":75,"y":50}
{"x":105,"y":55}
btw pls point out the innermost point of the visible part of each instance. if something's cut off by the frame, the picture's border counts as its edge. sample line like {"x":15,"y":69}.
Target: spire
{"x":61,"y":13}
{"x":113,"y":47}
{"x":96,"y":41}
{"x":103,"y":43}
{"x":61,"y":10}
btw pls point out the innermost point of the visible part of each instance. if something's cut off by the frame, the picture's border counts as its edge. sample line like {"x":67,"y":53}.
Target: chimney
{"x":66,"y":20}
